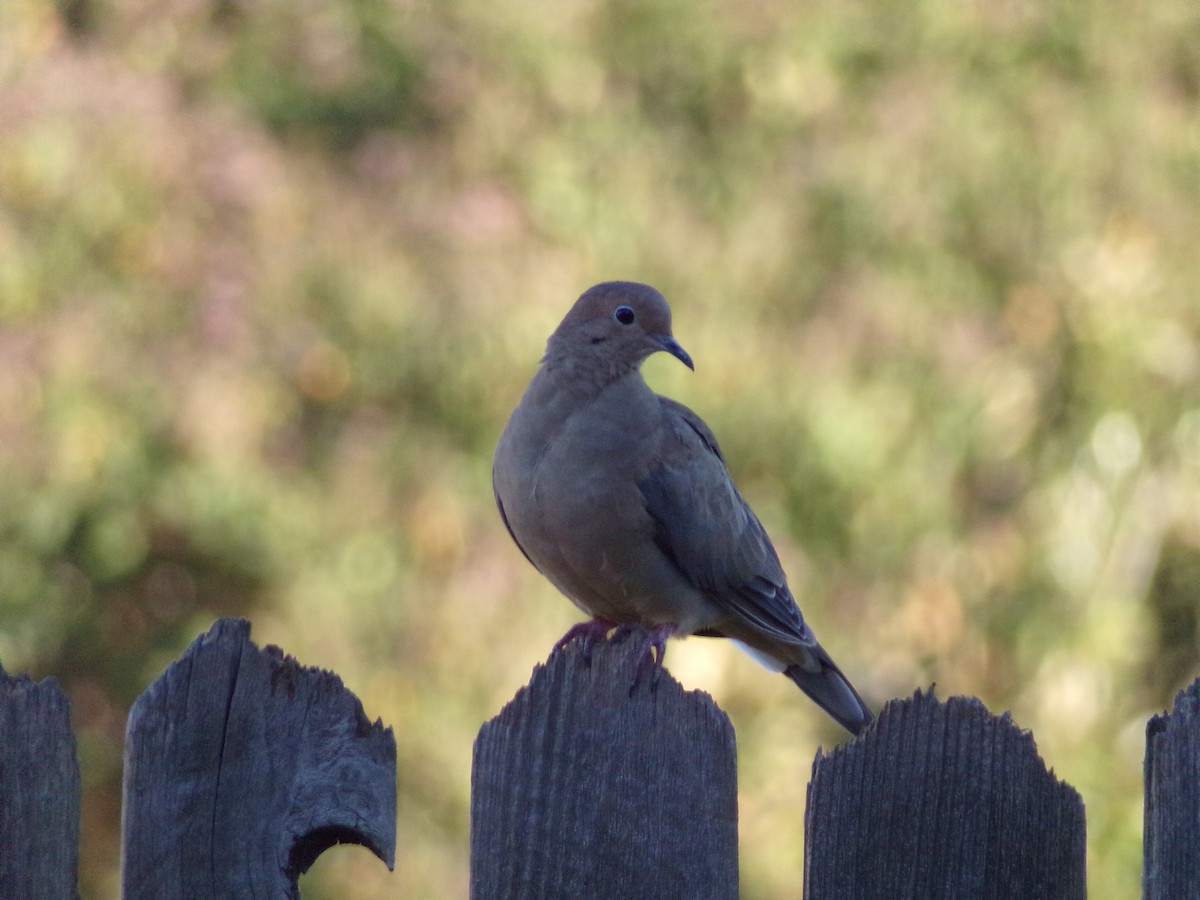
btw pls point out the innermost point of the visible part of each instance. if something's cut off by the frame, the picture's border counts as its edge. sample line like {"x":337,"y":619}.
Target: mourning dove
{"x":621,"y":498}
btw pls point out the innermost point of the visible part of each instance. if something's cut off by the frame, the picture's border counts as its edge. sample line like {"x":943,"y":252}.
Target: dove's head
{"x":616,"y":325}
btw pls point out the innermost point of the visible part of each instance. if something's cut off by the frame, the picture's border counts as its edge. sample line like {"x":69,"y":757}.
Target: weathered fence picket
{"x":584,"y":788}
{"x":242,"y":766}
{"x":1171,"y":836}
{"x":942,"y":800}
{"x":39,"y":790}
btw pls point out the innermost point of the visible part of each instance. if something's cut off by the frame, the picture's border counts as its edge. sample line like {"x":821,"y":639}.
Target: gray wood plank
{"x":241,"y":767}
{"x":580,"y":789}
{"x":942,"y":800}
{"x":39,"y":791}
{"x":1171,"y":836}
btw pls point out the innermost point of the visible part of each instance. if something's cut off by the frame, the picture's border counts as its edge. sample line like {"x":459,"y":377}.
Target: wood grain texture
{"x":241,"y":767}
{"x":1171,"y":836}
{"x":580,"y":789}
{"x":39,"y":791}
{"x":942,"y":800}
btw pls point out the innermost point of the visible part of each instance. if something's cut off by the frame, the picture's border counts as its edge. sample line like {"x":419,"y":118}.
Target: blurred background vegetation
{"x":273,"y":274}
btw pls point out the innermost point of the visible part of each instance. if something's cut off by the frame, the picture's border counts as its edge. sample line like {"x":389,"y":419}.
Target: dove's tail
{"x":830,"y":690}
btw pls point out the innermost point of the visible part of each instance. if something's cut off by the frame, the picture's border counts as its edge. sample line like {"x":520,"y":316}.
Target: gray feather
{"x":705,"y":527}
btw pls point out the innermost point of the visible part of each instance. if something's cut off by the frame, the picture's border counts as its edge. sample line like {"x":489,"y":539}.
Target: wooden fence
{"x":241,"y":767}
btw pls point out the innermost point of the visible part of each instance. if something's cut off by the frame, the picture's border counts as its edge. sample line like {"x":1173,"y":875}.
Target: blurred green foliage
{"x":272,"y":275}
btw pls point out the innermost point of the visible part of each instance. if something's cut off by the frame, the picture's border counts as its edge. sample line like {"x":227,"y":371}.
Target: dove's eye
{"x":624,"y":315}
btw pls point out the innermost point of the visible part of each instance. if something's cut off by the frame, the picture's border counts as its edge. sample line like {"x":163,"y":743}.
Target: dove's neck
{"x":558,"y":399}
{"x":582,"y":372}
{"x":562,"y":387}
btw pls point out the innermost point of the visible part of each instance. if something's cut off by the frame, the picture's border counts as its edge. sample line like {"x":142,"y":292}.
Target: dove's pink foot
{"x":587,"y":633}
{"x":622,"y":632}
{"x":650,"y":660}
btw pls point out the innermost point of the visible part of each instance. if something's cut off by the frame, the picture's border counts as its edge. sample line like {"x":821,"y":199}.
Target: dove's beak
{"x":672,"y":346}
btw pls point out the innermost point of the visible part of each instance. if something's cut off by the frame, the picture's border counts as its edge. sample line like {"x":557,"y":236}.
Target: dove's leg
{"x":587,"y":633}
{"x":622,"y":632}
{"x":650,"y":660}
